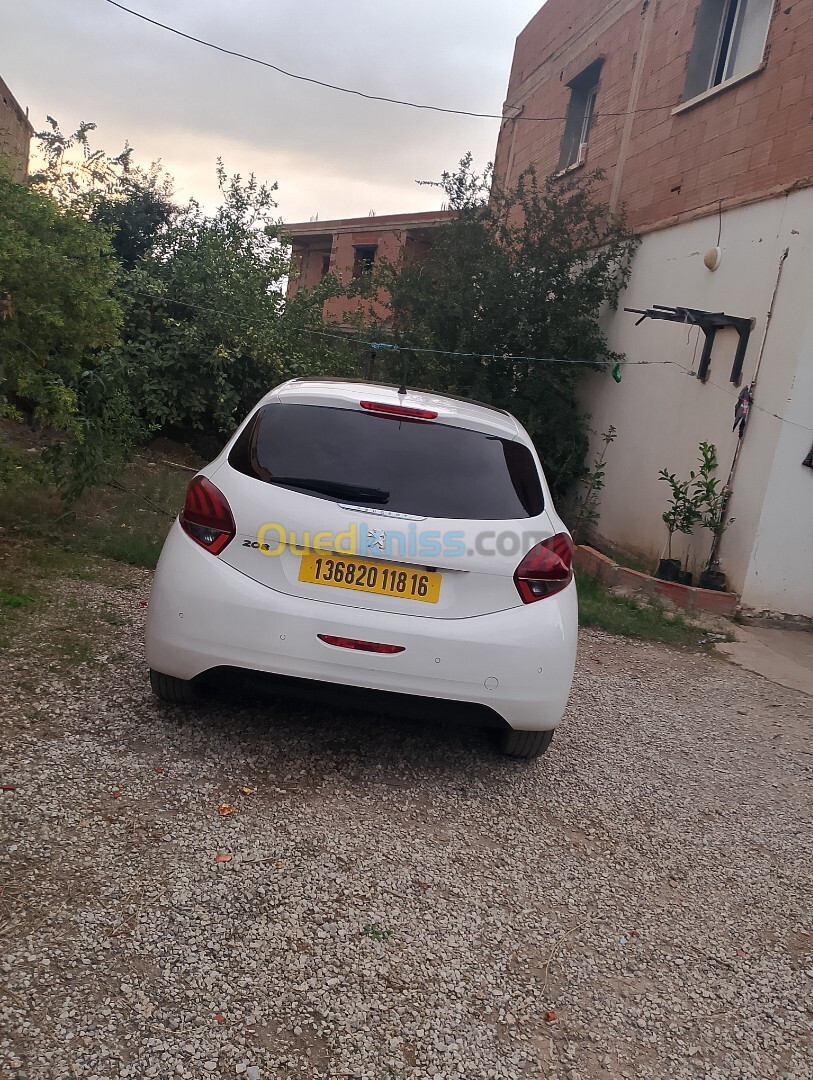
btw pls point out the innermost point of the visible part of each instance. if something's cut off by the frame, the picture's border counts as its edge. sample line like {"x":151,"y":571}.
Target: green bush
{"x":519,"y":273}
{"x":59,"y":308}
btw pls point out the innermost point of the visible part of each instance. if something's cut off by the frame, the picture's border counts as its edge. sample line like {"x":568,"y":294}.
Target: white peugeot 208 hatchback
{"x":359,"y":535}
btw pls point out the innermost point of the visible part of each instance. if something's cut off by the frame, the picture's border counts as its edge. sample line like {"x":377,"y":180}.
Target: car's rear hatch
{"x":433,"y":512}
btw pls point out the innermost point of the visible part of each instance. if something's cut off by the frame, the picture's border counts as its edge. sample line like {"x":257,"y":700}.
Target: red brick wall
{"x":389,"y":244}
{"x":741,"y":143}
{"x":395,"y":236}
{"x":309,"y":262}
{"x":15,"y":134}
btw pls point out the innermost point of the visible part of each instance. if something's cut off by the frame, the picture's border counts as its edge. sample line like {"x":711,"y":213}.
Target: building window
{"x":363,"y":259}
{"x":729,"y":40}
{"x":580,"y":112}
{"x":325,"y":265}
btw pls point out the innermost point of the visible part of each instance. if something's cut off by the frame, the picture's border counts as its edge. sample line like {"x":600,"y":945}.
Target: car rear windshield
{"x":408,"y":467}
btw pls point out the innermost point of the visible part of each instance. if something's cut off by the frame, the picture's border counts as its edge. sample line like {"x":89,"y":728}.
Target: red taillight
{"x":360,"y":646}
{"x":398,"y":410}
{"x":206,"y":516}
{"x":546,"y":569}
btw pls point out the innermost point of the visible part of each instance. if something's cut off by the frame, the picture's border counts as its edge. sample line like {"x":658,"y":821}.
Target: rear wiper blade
{"x":332,"y":487}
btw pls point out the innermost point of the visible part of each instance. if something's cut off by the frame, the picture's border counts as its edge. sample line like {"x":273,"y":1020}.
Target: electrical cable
{"x":454,"y":112}
{"x":361,"y":93}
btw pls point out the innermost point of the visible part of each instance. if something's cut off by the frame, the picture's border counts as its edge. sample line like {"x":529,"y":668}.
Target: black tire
{"x":525,"y":744}
{"x":175,"y":691}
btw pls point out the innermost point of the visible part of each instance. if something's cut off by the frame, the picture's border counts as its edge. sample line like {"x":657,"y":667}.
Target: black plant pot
{"x":713,"y":579}
{"x":684,"y":577}
{"x":668,"y":569}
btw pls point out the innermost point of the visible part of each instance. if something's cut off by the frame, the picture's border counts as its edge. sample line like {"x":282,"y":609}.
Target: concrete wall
{"x":667,"y":160}
{"x":662,"y":412}
{"x":780,"y":569}
{"x":15,"y":133}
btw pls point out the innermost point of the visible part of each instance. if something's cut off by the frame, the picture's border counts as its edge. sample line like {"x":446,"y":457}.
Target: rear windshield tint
{"x":364,"y":459}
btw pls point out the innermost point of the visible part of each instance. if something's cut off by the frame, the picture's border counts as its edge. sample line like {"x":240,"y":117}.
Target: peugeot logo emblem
{"x":376,"y":538}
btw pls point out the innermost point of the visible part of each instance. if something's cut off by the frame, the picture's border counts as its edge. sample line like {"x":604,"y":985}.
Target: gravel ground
{"x":393,"y":900}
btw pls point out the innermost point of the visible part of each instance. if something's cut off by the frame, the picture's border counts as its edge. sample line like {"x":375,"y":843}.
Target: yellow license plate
{"x":369,"y":576}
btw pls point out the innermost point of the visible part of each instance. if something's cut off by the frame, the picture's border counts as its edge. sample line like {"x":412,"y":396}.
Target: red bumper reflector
{"x":360,"y":646}
{"x":398,"y":410}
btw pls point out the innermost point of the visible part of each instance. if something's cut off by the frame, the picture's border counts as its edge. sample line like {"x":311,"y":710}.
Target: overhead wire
{"x":481,"y":355}
{"x":734,"y":397}
{"x":351,"y":336}
{"x":710,"y":382}
{"x":454,"y":112}
{"x":439,"y":109}
{"x":360,"y":93}
{"x":554,"y":360}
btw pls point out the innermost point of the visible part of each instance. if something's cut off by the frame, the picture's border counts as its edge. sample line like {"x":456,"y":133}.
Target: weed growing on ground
{"x":375,"y":933}
{"x":646,"y":619}
{"x":10,"y":600}
{"x":125,"y":520}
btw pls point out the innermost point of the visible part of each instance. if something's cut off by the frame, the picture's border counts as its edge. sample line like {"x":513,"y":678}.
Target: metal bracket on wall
{"x":709,"y":322}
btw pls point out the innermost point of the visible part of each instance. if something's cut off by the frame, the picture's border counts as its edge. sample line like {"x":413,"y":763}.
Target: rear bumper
{"x":203,"y":614}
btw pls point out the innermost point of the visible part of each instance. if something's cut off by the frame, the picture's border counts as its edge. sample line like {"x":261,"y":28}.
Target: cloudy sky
{"x":332,"y":154}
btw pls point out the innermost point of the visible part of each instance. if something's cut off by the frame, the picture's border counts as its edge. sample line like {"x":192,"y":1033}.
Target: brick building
{"x":700,"y":113}
{"x":15,"y":133}
{"x":349,"y":246}
{"x":677,"y":118}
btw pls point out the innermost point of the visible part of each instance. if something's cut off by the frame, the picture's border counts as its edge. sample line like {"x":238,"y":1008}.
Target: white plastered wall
{"x":662,"y":412}
{"x":780,"y":569}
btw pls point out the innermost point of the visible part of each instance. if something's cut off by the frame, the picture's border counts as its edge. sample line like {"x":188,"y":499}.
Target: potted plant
{"x":681,"y":515}
{"x":711,"y":497}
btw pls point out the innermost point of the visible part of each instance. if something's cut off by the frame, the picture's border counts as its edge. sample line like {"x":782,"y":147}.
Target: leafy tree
{"x":207,"y":329}
{"x":133,"y":203}
{"x":57,"y":281}
{"x":96,"y":243}
{"x":137,"y":214}
{"x":72,"y":171}
{"x":106,"y":428}
{"x":519,"y":273}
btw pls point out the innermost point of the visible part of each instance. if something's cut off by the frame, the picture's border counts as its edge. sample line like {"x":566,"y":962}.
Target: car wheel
{"x":526,"y":744}
{"x":176,"y":691}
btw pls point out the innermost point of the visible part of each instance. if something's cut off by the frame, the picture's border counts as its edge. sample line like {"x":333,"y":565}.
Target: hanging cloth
{"x":742,"y":409}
